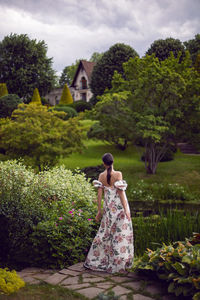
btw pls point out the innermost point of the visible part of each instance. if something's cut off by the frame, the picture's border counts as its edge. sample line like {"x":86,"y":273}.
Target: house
{"x":80,"y":87}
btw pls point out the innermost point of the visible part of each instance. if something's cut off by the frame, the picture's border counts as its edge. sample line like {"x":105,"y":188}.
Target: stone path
{"x":91,"y":283}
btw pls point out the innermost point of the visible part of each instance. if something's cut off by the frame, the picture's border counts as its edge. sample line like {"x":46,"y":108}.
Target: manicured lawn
{"x":184,"y":169}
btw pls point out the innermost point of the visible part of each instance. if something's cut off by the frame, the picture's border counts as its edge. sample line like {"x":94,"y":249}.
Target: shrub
{"x":31,"y":205}
{"x":70,"y":111}
{"x":8,"y":104}
{"x":36,"y":97}
{"x":81,"y":106}
{"x":66,"y":97}
{"x":10,"y":282}
{"x":3,"y":89}
{"x":176,"y":263}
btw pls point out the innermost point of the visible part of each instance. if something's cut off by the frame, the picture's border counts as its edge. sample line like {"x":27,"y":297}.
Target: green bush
{"x":31,"y":205}
{"x":81,"y":106}
{"x":10,"y":282}
{"x":8,"y":104}
{"x":176,"y":263}
{"x":143,"y":191}
{"x":70,"y":111}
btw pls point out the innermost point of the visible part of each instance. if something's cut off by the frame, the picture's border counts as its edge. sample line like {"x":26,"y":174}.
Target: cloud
{"x":75,"y":29}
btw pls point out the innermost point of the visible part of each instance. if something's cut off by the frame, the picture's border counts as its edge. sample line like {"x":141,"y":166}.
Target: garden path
{"x":91,"y":283}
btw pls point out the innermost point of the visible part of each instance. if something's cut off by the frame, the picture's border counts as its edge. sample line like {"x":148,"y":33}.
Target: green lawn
{"x":184,"y":169}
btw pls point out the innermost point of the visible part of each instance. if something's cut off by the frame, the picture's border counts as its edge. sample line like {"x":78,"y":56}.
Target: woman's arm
{"x":124,"y":203}
{"x":98,"y":216}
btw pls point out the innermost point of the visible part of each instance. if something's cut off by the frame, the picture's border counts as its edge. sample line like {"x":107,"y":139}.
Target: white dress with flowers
{"x":112,"y":249}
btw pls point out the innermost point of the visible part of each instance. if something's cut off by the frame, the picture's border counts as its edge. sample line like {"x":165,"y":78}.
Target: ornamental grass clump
{"x":10,"y":282}
{"x":178,"y":264}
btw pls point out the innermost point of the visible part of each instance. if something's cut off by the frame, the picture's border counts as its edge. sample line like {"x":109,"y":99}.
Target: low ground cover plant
{"x":10,"y":282}
{"x":178,"y":264}
{"x":35,"y":211}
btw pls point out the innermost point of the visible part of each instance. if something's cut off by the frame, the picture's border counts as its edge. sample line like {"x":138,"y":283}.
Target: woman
{"x":112,"y":248}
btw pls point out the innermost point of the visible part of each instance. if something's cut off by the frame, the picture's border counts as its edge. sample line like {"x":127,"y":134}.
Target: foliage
{"x":70,"y":111}
{"x":110,"y":112}
{"x":109,"y":296}
{"x":36,"y":97}
{"x":39,"y":136}
{"x":167,"y":156}
{"x":81,"y":105}
{"x":164,"y":101}
{"x":32,"y":204}
{"x":96,"y":56}
{"x":8,"y":104}
{"x":66,"y":97}
{"x":92,"y":173}
{"x":24,"y":65}
{"x":197,"y":63}
{"x":10,"y":282}
{"x":3,"y":90}
{"x":68,"y":74}
{"x":193,"y":46}
{"x":176,"y":263}
{"x":160,"y":191}
{"x":163,"y":48}
{"x":111,"y":60}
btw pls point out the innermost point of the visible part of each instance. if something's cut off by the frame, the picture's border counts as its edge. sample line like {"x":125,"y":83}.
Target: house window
{"x":83,"y":83}
{"x":84,"y":97}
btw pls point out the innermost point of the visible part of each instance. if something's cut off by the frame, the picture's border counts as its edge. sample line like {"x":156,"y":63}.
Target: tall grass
{"x":151,"y":232}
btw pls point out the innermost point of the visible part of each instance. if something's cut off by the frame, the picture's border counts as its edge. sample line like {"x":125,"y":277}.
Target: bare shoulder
{"x":101,"y":176}
{"x":118,"y":175}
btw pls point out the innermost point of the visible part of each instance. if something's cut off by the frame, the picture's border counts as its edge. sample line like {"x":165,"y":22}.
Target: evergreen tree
{"x":66,"y":97}
{"x":36,"y":97}
{"x":3,"y":89}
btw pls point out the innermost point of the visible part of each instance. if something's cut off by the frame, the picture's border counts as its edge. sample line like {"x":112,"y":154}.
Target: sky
{"x":75,"y":29}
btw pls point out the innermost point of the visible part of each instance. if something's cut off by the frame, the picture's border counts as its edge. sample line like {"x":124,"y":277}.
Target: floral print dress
{"x":112,"y":249}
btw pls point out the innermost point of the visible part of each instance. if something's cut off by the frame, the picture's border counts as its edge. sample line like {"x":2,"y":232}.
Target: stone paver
{"x":55,"y":278}
{"x":119,"y":290}
{"x":91,"y":283}
{"x":91,"y":292}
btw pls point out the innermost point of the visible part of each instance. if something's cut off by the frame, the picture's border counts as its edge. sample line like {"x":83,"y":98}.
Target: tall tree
{"x":162,"y":48}
{"x":36,"y":97}
{"x":24,"y":65}
{"x":38,"y":136}
{"x":193,"y":46}
{"x":111,"y":60}
{"x":96,"y":56}
{"x":164,"y":102}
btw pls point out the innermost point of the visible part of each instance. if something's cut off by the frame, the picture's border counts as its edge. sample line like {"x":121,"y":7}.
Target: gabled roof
{"x":87,"y":66}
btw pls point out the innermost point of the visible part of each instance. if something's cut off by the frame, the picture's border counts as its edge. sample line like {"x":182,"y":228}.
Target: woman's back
{"x":115,"y":176}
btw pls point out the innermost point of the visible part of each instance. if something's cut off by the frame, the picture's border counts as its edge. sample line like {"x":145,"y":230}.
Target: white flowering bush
{"x":31,"y":203}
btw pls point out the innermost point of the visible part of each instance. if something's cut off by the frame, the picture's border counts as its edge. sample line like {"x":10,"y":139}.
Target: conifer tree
{"x":3,"y":89}
{"x":36,"y":97}
{"x":66,"y":97}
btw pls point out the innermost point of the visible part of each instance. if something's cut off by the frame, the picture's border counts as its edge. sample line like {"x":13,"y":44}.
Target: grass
{"x":43,"y":292}
{"x":184,"y":169}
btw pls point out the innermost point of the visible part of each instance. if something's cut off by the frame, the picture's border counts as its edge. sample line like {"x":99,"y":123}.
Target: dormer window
{"x":83,"y":83}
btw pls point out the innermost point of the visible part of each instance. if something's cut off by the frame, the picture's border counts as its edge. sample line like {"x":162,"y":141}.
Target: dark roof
{"x":87,"y":66}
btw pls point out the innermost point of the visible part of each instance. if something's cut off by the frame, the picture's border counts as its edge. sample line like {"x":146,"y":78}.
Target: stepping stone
{"x":69,"y":272}
{"x":77,"y":267}
{"x":120,"y":279}
{"x":71,"y":280}
{"x":119,"y":290}
{"x":77,"y":286}
{"x":31,"y":280}
{"x":98,"y":273}
{"x":133,"y":285}
{"x":141,"y":297}
{"x":91,"y":292}
{"x":94,"y":279}
{"x":105,"y":285}
{"x":86,"y":275}
{"x":41,"y":276}
{"x":32,"y":270}
{"x":55,"y":278}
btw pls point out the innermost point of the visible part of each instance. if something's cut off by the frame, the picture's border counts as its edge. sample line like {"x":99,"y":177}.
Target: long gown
{"x":112,"y":249}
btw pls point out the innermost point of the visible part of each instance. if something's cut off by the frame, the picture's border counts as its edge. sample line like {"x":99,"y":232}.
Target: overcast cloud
{"x":74,"y":29}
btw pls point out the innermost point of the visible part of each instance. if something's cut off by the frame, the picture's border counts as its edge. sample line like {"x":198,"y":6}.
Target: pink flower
{"x":73,"y":203}
{"x":72,"y":209}
{"x":123,"y":249}
{"x":79,"y":214}
{"x":124,"y":226}
{"x":60,"y":218}
{"x":70,"y":212}
{"x":96,"y":253}
{"x":56,"y":224}
{"x":89,"y":219}
{"x":129,"y":238}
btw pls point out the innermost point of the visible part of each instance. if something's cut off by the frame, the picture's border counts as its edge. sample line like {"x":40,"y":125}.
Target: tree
{"x":111,"y":60}
{"x":193,"y":46}
{"x":96,"y":56}
{"x":164,"y":102}
{"x":110,"y":112}
{"x":24,"y":65}
{"x":3,"y":89}
{"x":38,"y":136}
{"x":66,"y":97}
{"x":8,"y":103}
{"x":197,"y":63}
{"x":36,"y":97}
{"x":163,"y":48}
